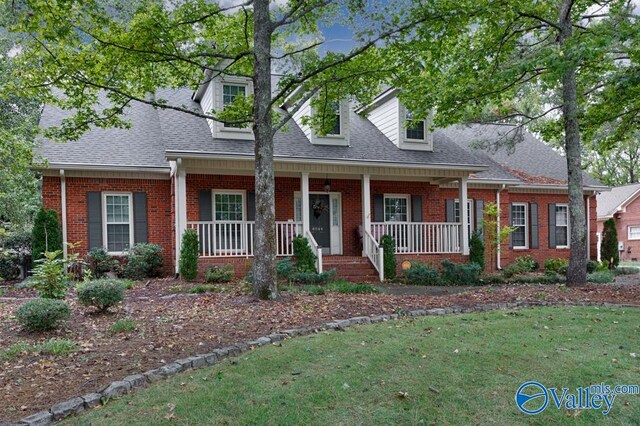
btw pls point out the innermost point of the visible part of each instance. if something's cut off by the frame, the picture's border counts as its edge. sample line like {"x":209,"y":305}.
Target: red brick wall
{"x":158,"y":207}
{"x":630,"y":217}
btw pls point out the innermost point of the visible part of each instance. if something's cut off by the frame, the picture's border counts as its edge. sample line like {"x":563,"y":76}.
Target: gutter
{"x":589,"y":225}
{"x":63,"y":212}
{"x":498,"y":251}
{"x":105,"y":167}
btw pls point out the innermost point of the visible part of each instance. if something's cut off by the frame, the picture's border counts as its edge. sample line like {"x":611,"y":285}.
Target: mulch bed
{"x":177,"y":325}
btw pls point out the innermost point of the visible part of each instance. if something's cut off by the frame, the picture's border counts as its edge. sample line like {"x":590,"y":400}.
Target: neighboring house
{"x":622,"y":204}
{"x":370,"y":176}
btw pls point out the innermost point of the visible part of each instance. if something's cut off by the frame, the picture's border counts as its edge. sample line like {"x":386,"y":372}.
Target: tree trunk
{"x":264,"y":240}
{"x":577,"y":272}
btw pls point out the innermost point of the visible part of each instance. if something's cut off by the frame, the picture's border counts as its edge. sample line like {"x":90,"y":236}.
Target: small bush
{"x":388,"y":245}
{"x":57,"y":347}
{"x":313,"y":277}
{"x":189,"y":253}
{"x":49,"y":277}
{"x":558,"y":265}
{"x":101,"y":294}
{"x":493,"y":279}
{"x":609,"y":247}
{"x":476,"y":249}
{"x":47,"y":234}
{"x":201,"y":288}
{"x":285,"y":268}
{"x":421,"y":274}
{"x":626,"y":270}
{"x":219,"y":274}
{"x":143,"y":261}
{"x":126,"y":284}
{"x":348,"y":288}
{"x":316,"y":290}
{"x":591,"y":266}
{"x":42,"y":314}
{"x":126,"y":325}
{"x":305,"y":259}
{"x":602,"y":266}
{"x":460,"y":273}
{"x":100,"y":262}
{"x":601,"y":277}
{"x":521,"y":265}
{"x":9,"y":269}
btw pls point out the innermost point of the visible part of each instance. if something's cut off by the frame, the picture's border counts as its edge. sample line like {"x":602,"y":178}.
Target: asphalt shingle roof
{"x":608,"y":202}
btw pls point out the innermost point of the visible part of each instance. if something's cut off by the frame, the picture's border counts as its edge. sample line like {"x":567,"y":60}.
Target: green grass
{"x":461,"y":369}
{"x":125,"y":325}
{"x":50,"y":347}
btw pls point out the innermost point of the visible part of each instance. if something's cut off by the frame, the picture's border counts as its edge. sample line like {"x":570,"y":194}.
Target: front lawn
{"x":461,"y":369}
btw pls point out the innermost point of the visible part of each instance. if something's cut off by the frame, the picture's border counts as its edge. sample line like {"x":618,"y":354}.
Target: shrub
{"x":521,"y":265}
{"x":558,"y":265}
{"x":591,"y":266}
{"x":201,"y":288}
{"x":388,"y":245}
{"x":626,"y":270}
{"x":219,"y":274}
{"x":9,"y":269}
{"x":547,"y":278}
{"x":602,"y":266}
{"x":101,"y":294}
{"x":49,"y":276}
{"x":284,"y":269}
{"x":313,"y":277}
{"x":421,"y":274}
{"x":460,"y":273}
{"x":495,"y":279}
{"x":100,"y":262}
{"x":305,"y":259}
{"x":42,"y":314}
{"x":316,"y":290}
{"x":47,"y":234}
{"x":601,"y":277}
{"x":189,"y":253}
{"x":348,"y":288}
{"x":609,"y":247}
{"x":125,"y":325}
{"x":476,"y":249}
{"x":143,"y":261}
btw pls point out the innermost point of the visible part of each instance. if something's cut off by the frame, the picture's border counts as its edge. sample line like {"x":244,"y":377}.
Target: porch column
{"x":180,"y":207}
{"x":464,"y":215}
{"x":304,"y":189}
{"x":366,"y":205}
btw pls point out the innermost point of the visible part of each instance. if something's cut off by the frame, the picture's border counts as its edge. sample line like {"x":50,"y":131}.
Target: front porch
{"x":340,"y":215}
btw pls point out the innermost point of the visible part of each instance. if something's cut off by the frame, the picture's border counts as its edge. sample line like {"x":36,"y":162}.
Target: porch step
{"x":351,"y":268}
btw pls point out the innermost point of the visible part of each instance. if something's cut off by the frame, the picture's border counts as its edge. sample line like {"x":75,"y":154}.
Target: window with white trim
{"x":562,"y":225}
{"x":415,"y":129}
{"x":519,"y":223}
{"x":336,"y":129}
{"x":118,"y":222}
{"x":229,"y":94}
{"x":228,"y":206}
{"x":396,"y":208}
{"x":634,"y":232}
{"x":456,"y":214}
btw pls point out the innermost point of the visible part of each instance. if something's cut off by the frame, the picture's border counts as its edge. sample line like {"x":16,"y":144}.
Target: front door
{"x":319,"y":220}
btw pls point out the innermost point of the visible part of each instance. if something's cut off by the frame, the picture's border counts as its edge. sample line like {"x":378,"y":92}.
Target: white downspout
{"x":498,"y":263}
{"x":589,"y":225}
{"x":63,"y":212}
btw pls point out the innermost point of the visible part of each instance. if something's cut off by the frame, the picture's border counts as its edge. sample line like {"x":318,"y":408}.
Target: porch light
{"x":327,"y":185}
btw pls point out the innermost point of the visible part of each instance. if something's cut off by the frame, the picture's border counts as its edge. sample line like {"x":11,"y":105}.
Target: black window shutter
{"x":479,"y":215}
{"x":140,"y":226}
{"x":450,"y":210}
{"x":251,"y":205}
{"x":94,"y":219}
{"x":205,"y":207}
{"x":416,"y":208}
{"x":510,"y":224}
{"x":533,"y":213}
{"x":552,"y":226}
{"x":378,"y":208}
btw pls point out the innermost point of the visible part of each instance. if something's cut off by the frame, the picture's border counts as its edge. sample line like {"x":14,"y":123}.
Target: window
{"x":634,"y":232}
{"x":118,"y":222}
{"x":520,"y":234}
{"x":456,"y":213}
{"x":229,"y":94}
{"x":297,"y":208}
{"x":229,"y":207}
{"x":562,"y":225}
{"x":396,"y":208}
{"x":335,"y":108}
{"x":415,"y":128}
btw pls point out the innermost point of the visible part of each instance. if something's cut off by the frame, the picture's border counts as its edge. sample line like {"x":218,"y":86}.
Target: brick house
{"x":375,"y":173}
{"x":622,"y":203}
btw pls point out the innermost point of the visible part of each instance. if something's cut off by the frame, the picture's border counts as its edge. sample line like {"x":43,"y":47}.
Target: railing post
{"x":381,"y":264}
{"x":366,"y":207}
{"x":464,"y":216}
{"x":319,"y":261}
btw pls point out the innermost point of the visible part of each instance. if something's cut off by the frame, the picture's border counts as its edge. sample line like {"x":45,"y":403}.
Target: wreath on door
{"x":319,"y":206}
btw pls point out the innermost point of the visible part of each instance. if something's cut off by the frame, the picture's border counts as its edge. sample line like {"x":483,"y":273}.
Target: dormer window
{"x":414,"y":128}
{"x":229,"y":94}
{"x":336,"y":129}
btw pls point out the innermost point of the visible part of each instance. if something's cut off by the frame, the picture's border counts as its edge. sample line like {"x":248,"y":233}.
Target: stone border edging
{"x":130,"y":383}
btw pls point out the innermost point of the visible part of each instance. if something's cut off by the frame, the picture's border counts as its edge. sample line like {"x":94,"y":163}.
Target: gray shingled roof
{"x":530,"y":159}
{"x":609,"y":202}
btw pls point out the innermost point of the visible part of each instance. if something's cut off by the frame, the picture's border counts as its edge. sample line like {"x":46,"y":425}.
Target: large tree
{"x":483,"y":63}
{"x":75,"y":50}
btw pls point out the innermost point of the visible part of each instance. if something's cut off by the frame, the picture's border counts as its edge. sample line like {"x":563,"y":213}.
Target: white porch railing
{"x":421,"y":237}
{"x":227,"y":239}
{"x":317,"y":250}
{"x":374,"y":252}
